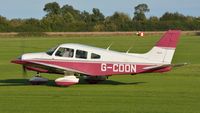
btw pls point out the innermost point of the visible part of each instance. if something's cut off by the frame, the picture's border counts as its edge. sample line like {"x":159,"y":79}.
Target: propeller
{"x":24,"y":71}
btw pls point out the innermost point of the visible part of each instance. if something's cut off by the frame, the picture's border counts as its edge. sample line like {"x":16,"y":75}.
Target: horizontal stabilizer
{"x":163,"y":66}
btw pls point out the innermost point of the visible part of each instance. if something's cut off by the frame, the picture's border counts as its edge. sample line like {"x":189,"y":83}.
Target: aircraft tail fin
{"x":169,"y":39}
{"x":164,"y":49}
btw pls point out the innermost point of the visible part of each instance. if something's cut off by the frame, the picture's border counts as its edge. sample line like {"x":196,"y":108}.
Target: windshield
{"x":51,"y":51}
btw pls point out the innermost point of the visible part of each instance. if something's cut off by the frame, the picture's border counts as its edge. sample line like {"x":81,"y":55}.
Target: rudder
{"x":169,"y":39}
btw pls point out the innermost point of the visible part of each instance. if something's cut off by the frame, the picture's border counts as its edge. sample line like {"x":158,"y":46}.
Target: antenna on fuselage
{"x":108,"y":48}
{"x":129,"y":49}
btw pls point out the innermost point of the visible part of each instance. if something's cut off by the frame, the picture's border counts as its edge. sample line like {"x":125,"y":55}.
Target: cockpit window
{"x":51,"y":51}
{"x":65,"y":52}
{"x":81,"y":54}
{"x":95,"y":56}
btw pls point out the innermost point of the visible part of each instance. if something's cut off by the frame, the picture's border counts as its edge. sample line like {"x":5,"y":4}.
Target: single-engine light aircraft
{"x":96,"y":64}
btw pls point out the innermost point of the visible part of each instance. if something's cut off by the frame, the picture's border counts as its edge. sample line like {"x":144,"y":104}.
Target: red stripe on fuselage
{"x":97,"y":68}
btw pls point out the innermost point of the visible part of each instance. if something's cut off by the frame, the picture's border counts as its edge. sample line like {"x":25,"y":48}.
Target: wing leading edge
{"x":44,"y":67}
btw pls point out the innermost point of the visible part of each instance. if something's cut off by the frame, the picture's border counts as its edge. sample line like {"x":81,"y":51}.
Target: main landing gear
{"x":67,"y":80}
{"x":38,"y":80}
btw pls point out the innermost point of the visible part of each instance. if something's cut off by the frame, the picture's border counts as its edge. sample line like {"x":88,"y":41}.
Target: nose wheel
{"x":38,"y":79}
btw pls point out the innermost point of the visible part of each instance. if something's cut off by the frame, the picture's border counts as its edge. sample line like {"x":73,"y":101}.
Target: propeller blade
{"x":24,"y":71}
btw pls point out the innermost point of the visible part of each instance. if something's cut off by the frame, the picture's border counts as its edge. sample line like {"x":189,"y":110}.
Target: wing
{"x":45,"y":67}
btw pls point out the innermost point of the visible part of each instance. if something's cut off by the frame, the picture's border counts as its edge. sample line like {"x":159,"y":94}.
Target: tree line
{"x":67,"y":19}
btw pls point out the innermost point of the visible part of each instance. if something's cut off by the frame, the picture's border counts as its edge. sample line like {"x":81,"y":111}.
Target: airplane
{"x":97,"y":64}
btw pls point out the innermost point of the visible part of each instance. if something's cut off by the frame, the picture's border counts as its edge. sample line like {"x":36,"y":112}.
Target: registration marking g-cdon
{"x":129,"y":68}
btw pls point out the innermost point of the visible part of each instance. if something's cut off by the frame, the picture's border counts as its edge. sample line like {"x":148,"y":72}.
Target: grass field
{"x":177,"y":91}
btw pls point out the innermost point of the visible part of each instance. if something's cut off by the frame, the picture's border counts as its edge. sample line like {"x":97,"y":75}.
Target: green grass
{"x":177,"y":91}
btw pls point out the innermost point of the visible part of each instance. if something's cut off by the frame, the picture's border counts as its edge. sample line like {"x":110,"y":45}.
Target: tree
{"x":118,"y":21}
{"x":140,"y":10}
{"x":172,"y":17}
{"x":31,"y":24}
{"x":152,"y":23}
{"x":86,"y":17}
{"x":67,"y":18}
{"x":53,"y":23}
{"x":97,"y":16}
{"x":52,"y":8}
{"x":4,"y":24}
{"x":16,"y":22}
{"x":69,"y":11}
{"x":154,"y":19}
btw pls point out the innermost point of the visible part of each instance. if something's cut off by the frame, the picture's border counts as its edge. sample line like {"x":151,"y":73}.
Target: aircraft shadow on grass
{"x":14,"y":82}
{"x":24,"y":82}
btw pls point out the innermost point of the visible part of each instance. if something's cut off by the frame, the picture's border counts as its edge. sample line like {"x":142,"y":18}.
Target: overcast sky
{"x":34,"y":8}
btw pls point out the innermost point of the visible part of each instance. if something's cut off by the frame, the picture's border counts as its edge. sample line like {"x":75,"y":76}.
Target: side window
{"x":60,"y":52}
{"x":65,"y":52}
{"x":95,"y":56}
{"x":81,"y":54}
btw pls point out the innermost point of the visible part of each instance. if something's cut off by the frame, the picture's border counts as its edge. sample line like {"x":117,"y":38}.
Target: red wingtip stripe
{"x":169,"y":39}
